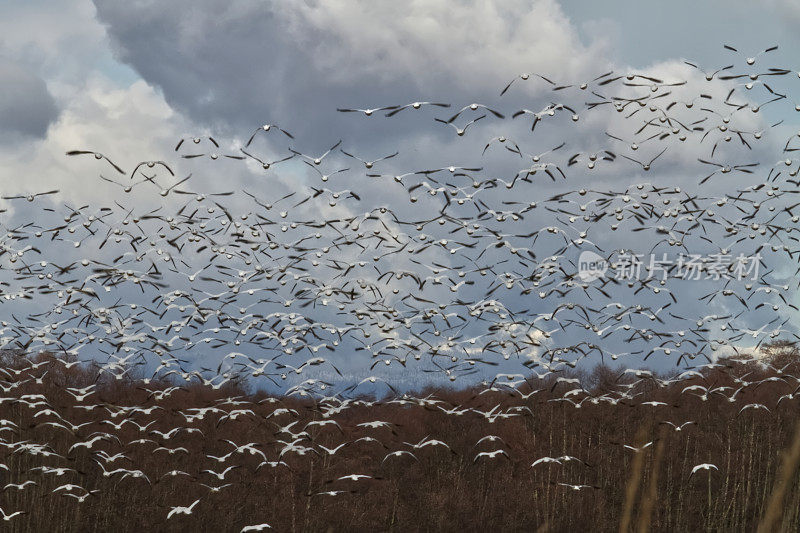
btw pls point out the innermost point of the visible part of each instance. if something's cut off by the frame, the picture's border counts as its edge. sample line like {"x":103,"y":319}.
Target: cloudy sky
{"x":130,"y":79}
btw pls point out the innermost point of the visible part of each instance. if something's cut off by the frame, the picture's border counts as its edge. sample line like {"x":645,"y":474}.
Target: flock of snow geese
{"x":465,"y":273}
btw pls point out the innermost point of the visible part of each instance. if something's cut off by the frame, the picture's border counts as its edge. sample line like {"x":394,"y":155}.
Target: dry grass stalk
{"x":633,"y":483}
{"x":791,"y":460}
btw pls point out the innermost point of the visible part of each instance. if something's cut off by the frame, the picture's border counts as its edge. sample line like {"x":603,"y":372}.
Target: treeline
{"x":622,"y":448}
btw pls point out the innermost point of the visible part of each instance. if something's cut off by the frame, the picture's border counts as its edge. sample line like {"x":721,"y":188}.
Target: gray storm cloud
{"x":26,"y":106}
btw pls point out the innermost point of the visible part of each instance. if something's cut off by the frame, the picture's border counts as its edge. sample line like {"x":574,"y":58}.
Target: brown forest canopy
{"x":278,"y":458}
